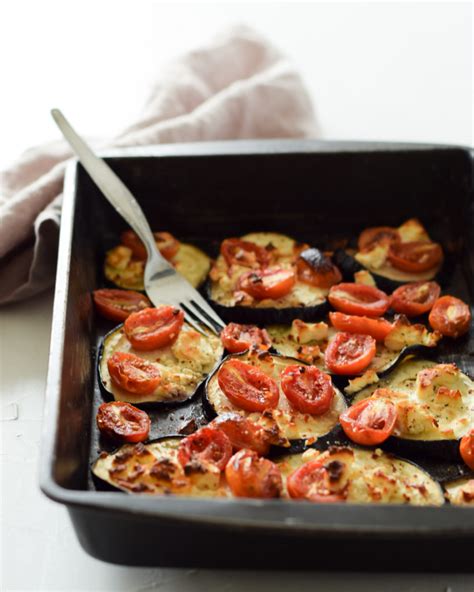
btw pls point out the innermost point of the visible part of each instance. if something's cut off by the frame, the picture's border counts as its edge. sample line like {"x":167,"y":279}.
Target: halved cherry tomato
{"x":370,"y":421}
{"x":466,"y":449}
{"x":267,"y":283}
{"x":122,"y":421}
{"x":416,"y":298}
{"x":349,"y":353}
{"x":166,"y":243}
{"x":247,"y":387}
{"x":238,"y":338}
{"x":206,"y":445}
{"x":359,"y":299}
{"x":249,"y":475}
{"x":315,"y":269}
{"x":133,"y":374}
{"x":241,"y":252}
{"x":450,"y":316}
{"x":371,"y":237}
{"x":312,"y":481}
{"x":117,"y":305}
{"x":152,"y":328}
{"x":415,"y":256}
{"x":376,"y":328}
{"x":307,"y":388}
{"x":243,"y":433}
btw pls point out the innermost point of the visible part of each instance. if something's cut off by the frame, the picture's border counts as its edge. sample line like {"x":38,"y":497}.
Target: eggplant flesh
{"x":461,"y":491}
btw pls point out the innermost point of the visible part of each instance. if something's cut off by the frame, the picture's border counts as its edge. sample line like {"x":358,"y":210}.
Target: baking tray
{"x":319,"y":192}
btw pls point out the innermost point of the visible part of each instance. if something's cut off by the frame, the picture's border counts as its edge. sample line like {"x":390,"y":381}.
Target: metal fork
{"x":163,"y":284}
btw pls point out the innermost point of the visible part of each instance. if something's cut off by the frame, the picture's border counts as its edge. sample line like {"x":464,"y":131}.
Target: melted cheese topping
{"x":434,"y":401}
{"x":285,"y":422}
{"x":183,"y":365}
{"x":127,"y":273}
{"x":461,"y":492}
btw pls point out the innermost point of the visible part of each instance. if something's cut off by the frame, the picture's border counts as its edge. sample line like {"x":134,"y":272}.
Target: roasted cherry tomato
{"x":206,"y":445}
{"x":415,"y":256}
{"x":122,"y":421}
{"x":166,"y":243}
{"x":243,"y":433}
{"x":117,"y":305}
{"x":271,"y":283}
{"x":359,"y":299}
{"x":372,"y":237}
{"x":466,"y":449}
{"x":241,"y":252}
{"x":247,"y":387}
{"x":349,"y":353}
{"x":450,"y":316}
{"x":307,"y":389}
{"x":249,"y":475}
{"x":416,"y":298}
{"x":376,"y":328}
{"x":370,"y":421}
{"x":154,"y":327}
{"x":133,"y":374}
{"x":313,"y":482}
{"x":238,"y":338}
{"x":315,"y":269}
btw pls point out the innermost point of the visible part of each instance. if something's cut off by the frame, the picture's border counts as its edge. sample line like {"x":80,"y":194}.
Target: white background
{"x":399,"y":71}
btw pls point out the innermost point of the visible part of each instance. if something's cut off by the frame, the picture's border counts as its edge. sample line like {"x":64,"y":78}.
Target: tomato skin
{"x":359,"y":299}
{"x":372,"y":237}
{"x":315,"y":269}
{"x":307,"y":388}
{"x":245,"y":253}
{"x":133,"y":374}
{"x":206,"y":445}
{"x":415,"y":256}
{"x":250,"y":475}
{"x":121,"y":421}
{"x":247,"y":387}
{"x":364,"y":423}
{"x":166,"y":243}
{"x":153,"y":328}
{"x":117,"y":305}
{"x":243,"y":433}
{"x":466,"y":448}
{"x":450,"y":316}
{"x":238,"y":338}
{"x":349,"y":353}
{"x":376,"y":328}
{"x":312,"y":482}
{"x":416,"y":298}
{"x":270,"y":283}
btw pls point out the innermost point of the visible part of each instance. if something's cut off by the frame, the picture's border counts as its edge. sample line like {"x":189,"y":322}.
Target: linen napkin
{"x":239,"y":86}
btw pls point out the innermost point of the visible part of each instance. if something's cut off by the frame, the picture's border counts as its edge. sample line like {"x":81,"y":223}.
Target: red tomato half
{"x":249,"y":475}
{"x":416,"y":298}
{"x":415,"y":256}
{"x":315,"y":269}
{"x":372,"y":237}
{"x":450,"y":316}
{"x":369,"y":422}
{"x":466,"y":449}
{"x":117,"y":305}
{"x":376,"y":328}
{"x":307,"y":389}
{"x":240,"y":252}
{"x":238,"y":338}
{"x":349,"y":353}
{"x":154,"y":327}
{"x":247,"y":387}
{"x":359,"y":299}
{"x":243,"y":433}
{"x":167,"y":244}
{"x":271,"y":283}
{"x":206,"y":445}
{"x":133,"y":374}
{"x":312,"y":482}
{"x":122,"y":421}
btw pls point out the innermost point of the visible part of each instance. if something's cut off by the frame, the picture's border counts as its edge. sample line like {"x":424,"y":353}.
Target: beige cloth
{"x":238,"y":86}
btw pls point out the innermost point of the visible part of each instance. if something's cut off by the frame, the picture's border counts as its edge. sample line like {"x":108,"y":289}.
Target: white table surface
{"x":391,"y":71}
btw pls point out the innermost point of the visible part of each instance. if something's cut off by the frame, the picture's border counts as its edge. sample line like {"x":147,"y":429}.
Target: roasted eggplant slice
{"x":284,"y":421}
{"x":356,"y":475}
{"x":460,"y":492}
{"x":435,"y":407}
{"x":182,"y":366}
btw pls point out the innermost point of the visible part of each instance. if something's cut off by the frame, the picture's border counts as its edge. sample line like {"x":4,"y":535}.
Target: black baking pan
{"x":320,"y":193}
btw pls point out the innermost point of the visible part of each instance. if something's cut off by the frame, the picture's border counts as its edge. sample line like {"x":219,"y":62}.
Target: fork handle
{"x":111,"y":186}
